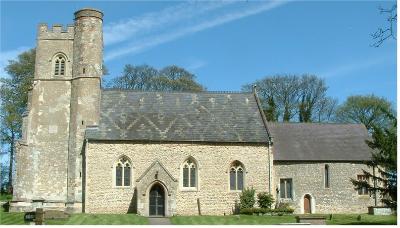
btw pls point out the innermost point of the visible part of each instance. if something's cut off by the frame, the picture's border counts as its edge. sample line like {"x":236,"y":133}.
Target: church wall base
{"x":29,"y":206}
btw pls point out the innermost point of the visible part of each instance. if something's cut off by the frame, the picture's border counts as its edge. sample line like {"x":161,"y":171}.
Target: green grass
{"x":351,"y":219}
{"x":232,"y":220}
{"x":7,"y":218}
{"x":100,"y":219}
{"x":337,"y":219}
{"x":5,"y":197}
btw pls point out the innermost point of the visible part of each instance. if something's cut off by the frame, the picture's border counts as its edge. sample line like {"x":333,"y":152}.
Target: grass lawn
{"x":100,"y":219}
{"x":232,"y":220}
{"x":11,"y":218}
{"x":17,"y":218}
{"x":337,"y":219}
{"x":5,"y":197}
{"x":351,"y":219}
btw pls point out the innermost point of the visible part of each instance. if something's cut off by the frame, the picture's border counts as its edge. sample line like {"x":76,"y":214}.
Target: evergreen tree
{"x":384,"y":163}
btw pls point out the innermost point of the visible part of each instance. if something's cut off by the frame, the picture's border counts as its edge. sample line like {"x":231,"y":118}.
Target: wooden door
{"x":307,"y":204}
{"x":156,"y":201}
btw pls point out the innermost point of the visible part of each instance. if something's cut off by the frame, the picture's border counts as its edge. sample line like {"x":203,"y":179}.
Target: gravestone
{"x":39,"y":216}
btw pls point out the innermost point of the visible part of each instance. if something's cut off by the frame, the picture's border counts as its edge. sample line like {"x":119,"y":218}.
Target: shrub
{"x":265,"y":200}
{"x":250,"y":211}
{"x":247,"y":198}
{"x":284,"y":208}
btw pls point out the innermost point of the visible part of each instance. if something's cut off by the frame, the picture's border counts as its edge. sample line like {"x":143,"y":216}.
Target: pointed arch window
{"x":123,"y":172}
{"x":236,"y":176}
{"x":189,"y":174}
{"x":59,"y":65}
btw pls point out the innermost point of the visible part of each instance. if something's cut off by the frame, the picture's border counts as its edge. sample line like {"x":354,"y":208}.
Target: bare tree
{"x":325,"y":110}
{"x":312,"y":91}
{"x":389,"y":31}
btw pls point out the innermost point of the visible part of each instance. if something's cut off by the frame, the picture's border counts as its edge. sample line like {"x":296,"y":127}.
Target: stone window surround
{"x":114,"y":166}
{"x":233,"y":163}
{"x":196,"y":164}
{"x":291,"y":189}
{"x":53,"y":64}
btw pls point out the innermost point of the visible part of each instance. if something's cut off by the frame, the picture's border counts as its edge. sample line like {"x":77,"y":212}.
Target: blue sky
{"x":228,"y":44}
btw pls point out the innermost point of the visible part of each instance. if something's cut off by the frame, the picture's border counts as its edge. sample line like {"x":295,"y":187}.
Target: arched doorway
{"x":157,"y":200}
{"x":307,"y":204}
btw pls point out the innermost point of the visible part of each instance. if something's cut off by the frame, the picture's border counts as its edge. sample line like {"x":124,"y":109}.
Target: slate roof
{"x":179,"y":116}
{"x":319,"y":142}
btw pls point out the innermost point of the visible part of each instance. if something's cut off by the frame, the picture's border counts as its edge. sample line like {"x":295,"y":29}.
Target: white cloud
{"x":196,"y":64}
{"x":5,"y":56}
{"x":350,"y":68}
{"x":189,"y":27}
{"x":139,"y":26}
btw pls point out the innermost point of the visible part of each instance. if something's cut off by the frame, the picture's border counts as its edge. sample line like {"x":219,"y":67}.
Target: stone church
{"x":93,"y":150}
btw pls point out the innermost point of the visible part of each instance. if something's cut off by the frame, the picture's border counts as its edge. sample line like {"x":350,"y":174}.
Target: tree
{"x":312,"y":92}
{"x":144,"y":77}
{"x":278,"y":95}
{"x":13,"y":98}
{"x":364,"y":109}
{"x":284,"y":97}
{"x":382,"y":34}
{"x":384,"y":160}
{"x":325,"y":110}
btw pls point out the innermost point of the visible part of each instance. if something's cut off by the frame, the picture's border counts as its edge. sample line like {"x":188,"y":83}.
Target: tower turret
{"x":85,"y":92}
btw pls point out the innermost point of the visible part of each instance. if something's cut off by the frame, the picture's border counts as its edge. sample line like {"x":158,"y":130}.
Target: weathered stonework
{"x":58,"y":166}
{"x":213,"y":175}
{"x":308,"y":178}
{"x":60,"y":106}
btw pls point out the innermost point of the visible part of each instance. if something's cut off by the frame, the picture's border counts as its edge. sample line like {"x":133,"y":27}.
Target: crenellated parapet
{"x":56,"y":32}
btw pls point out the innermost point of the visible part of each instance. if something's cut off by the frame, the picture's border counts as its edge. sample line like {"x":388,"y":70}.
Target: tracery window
{"x":189,"y":173}
{"x":59,"y":65}
{"x":236,"y":176}
{"x":123,"y":172}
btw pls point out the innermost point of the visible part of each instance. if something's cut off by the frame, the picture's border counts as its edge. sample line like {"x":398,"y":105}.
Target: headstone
{"x":39,"y":217}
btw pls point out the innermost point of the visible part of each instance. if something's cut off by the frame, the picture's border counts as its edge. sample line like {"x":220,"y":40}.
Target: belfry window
{"x":189,"y":174}
{"x":236,"y":176}
{"x":123,"y":172}
{"x":59,"y":65}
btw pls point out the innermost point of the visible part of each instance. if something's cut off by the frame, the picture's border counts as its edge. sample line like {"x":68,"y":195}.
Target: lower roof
{"x":319,"y":142}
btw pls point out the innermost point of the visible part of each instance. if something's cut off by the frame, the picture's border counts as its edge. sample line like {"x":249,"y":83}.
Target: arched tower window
{"x":236,"y":176}
{"x":59,"y":65}
{"x":123,"y":172}
{"x":189,"y":174}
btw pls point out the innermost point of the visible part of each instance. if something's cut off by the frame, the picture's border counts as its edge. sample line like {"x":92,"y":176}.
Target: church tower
{"x":85,"y":93}
{"x":63,"y":100}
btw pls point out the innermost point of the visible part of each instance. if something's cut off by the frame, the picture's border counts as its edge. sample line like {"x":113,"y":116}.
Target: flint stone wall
{"x":308,"y":178}
{"x":213,"y":175}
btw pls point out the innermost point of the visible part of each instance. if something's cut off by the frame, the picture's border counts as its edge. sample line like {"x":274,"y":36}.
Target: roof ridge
{"x":315,"y":123}
{"x":157,"y":91}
